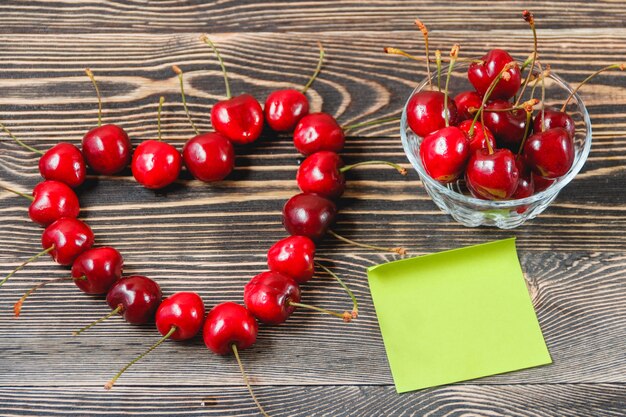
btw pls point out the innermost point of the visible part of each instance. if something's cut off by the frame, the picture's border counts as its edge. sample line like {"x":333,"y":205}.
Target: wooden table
{"x":213,"y":238}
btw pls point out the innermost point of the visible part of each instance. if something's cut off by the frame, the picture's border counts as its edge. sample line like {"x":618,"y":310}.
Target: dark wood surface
{"x":213,"y":238}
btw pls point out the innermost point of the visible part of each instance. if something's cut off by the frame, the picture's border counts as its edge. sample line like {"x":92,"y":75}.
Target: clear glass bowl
{"x":472,"y":212}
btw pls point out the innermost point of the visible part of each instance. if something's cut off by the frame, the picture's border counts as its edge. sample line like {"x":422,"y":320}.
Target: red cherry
{"x":293,"y":256}
{"x":318,"y":132}
{"x":136,"y":298}
{"x":308,"y":215}
{"x":541,"y":183}
{"x":320,"y":173}
{"x":482,"y":74}
{"x":229,"y":324}
{"x":107,"y":149}
{"x":268,"y":297}
{"x":285,"y":108}
{"x":550,"y":153}
{"x":481,"y":137}
{"x":464,"y":102}
{"x":240,"y":118}
{"x":68,"y":237}
{"x":425,"y":112}
{"x":492,"y":176}
{"x":507,"y":126}
{"x":53,"y":200}
{"x":64,"y":163}
{"x":156,"y":164}
{"x":444,"y":153}
{"x":209,"y":157}
{"x":554,"y":118}
{"x":184,"y":311}
{"x":99,"y":269}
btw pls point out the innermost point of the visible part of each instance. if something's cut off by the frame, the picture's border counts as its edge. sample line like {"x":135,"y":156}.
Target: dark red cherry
{"x":492,"y":176}
{"x":99,"y":269}
{"x":464,"y":102}
{"x":482,"y":74}
{"x":137,"y":297}
{"x":554,"y":118}
{"x":183,"y":310}
{"x":507,"y":126}
{"x":318,"y":132}
{"x":209,"y":157}
{"x":107,"y":149}
{"x":293,"y":256}
{"x":541,"y":183}
{"x":240,"y":118}
{"x":267,"y":296}
{"x":308,"y":215}
{"x":444,"y":153}
{"x":70,"y":237}
{"x":156,"y":164}
{"x":550,"y":153}
{"x":64,"y":163}
{"x":285,"y":108}
{"x":320,"y":173}
{"x":425,"y":112}
{"x":479,"y":137}
{"x":53,"y":200}
{"x":229,"y":324}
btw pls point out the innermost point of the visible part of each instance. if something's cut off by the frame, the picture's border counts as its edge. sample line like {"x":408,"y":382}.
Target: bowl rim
{"x":549,"y":192}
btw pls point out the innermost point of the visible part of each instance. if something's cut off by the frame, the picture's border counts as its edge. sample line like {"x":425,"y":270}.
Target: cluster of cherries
{"x":499,"y":145}
{"x":271,"y":296}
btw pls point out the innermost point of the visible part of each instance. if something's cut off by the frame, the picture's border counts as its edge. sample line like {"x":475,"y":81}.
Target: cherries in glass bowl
{"x":472,"y":209}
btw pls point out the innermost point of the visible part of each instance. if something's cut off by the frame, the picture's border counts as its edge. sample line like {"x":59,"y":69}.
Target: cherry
{"x":156,"y":164}
{"x":209,"y":157}
{"x":318,"y":132}
{"x":51,"y":201}
{"x":444,"y":153}
{"x":426,"y":114}
{"x":550,"y":153}
{"x":479,"y":138}
{"x":507,"y":126}
{"x":552,"y":118}
{"x":541,"y":183}
{"x":465,"y":102}
{"x":493,"y":176}
{"x":308,"y":215}
{"x":238,"y":118}
{"x":136,"y":298}
{"x":97,"y":269}
{"x":107,"y":149}
{"x":293,"y":256}
{"x":482,"y":74}
{"x":525,"y":187}
{"x":269,"y":296}
{"x":179,"y":317}
{"x":64,"y":163}
{"x":67,"y":238}
{"x":229,"y":324}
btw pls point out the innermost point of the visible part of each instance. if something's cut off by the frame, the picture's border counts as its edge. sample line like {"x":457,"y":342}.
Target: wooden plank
{"x":73,"y":16}
{"x":598,"y":400}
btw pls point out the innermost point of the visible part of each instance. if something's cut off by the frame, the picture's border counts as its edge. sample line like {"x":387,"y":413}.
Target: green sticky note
{"x":456,"y":315}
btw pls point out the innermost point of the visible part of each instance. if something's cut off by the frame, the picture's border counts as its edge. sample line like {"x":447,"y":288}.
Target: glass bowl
{"x":454,"y":198}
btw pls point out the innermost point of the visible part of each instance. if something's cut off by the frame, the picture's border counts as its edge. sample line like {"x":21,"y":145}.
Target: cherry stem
{"x":346,"y":316}
{"x":95,"y":86}
{"x":399,"y":251}
{"x":438,"y":60}
{"x":529,"y":115}
{"x":113,"y":312}
{"x":355,"y":307}
{"x":543,"y":100}
{"x":621,"y":67}
{"x":206,"y":40}
{"x":110,"y":384}
{"x":17,"y":307}
{"x":29,"y":260}
{"x":161,"y":101}
{"x":530,"y":18}
{"x":179,"y":72}
{"x":370,"y":123}
{"x":317,"y":69}
{"x":19,"y":142}
{"x":482,"y":123}
{"x":397,"y":167}
{"x":246,"y":380}
{"x":422,"y":27}
{"x":454,"y":53}
{"x":30,"y":197}
{"x":397,"y":51}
